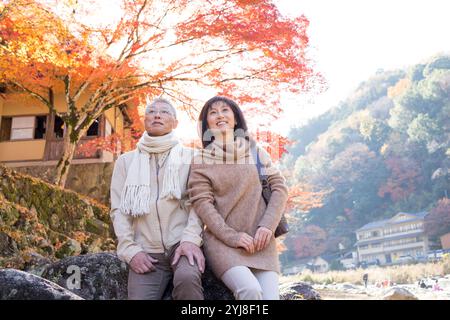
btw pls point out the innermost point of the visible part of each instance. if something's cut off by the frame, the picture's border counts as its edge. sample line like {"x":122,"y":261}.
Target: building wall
{"x":18,"y":105}
{"x":33,"y":149}
{"x":367,"y":234}
{"x":23,"y":150}
{"x":381,"y":246}
{"x":115,"y":118}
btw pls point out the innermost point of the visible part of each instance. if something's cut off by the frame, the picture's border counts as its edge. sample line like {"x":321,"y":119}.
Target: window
{"x":94,"y":128}
{"x":22,"y":128}
{"x":108,"y":129}
{"x":41,"y":124}
{"x":58,"y":128}
{"x":5,"y":128}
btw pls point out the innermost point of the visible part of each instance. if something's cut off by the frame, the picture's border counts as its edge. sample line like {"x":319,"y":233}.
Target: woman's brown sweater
{"x":227,"y":197}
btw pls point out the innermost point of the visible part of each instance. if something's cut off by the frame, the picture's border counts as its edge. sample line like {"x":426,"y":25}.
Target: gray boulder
{"x":98,"y":276}
{"x":397,"y":293}
{"x":102,"y":276}
{"x":20,"y":285}
{"x":214,"y":289}
{"x":298,"y":291}
{"x":36,"y":264}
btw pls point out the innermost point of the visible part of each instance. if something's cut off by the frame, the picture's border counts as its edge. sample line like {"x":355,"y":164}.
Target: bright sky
{"x":351,"y":39}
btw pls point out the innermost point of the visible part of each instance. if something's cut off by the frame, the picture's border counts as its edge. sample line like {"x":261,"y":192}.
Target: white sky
{"x":351,"y":39}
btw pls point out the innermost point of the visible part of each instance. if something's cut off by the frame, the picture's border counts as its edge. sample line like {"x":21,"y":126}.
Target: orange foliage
{"x":437,"y":222}
{"x":310,"y":242}
{"x":303,"y":199}
{"x":243,"y":49}
{"x":402,"y":181}
{"x":399,"y":88}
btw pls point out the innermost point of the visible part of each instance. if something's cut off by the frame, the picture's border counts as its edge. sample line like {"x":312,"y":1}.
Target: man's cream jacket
{"x":169,"y":220}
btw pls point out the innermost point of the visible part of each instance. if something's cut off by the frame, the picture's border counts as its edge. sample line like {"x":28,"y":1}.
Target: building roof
{"x":310,"y":261}
{"x":393,"y":221}
{"x":317,"y":261}
{"x":374,"y":225}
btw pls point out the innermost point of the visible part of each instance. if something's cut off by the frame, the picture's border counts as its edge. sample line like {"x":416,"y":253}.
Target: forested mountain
{"x":385,"y":149}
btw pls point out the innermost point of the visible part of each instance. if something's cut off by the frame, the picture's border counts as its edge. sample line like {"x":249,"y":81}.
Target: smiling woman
{"x":222,"y":116}
{"x":226,"y":193}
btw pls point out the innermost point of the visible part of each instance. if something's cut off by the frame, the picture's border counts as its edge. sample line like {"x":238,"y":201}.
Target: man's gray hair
{"x":151,"y":104}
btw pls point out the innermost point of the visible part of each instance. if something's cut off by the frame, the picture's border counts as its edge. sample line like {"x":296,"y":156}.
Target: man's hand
{"x":246,"y":242}
{"x":142,"y":263}
{"x":262,"y":238}
{"x":191,"y":251}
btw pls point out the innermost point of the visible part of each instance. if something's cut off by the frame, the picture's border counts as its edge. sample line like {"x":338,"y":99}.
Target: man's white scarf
{"x":135,"y":199}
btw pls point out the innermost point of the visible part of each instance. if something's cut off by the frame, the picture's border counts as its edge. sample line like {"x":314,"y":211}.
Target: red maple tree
{"x":243,"y":49}
{"x":437,"y":221}
{"x":405,"y":174}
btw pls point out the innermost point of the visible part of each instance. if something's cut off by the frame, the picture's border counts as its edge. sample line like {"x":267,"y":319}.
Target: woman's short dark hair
{"x":240,"y":128}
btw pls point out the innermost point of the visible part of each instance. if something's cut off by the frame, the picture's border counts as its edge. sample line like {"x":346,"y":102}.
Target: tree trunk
{"x":62,"y":169}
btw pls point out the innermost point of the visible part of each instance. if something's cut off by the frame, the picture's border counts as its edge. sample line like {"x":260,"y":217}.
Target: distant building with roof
{"x":315,"y":264}
{"x":384,"y":242}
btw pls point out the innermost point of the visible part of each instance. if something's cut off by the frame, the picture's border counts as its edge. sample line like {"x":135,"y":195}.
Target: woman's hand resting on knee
{"x":246,"y":242}
{"x":262,"y":238}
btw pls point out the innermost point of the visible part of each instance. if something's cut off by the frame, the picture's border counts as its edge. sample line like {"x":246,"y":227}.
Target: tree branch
{"x":35,"y":95}
{"x":69,"y":101}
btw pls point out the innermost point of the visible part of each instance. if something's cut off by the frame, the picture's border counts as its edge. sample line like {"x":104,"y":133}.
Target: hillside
{"x":40,"y":222}
{"x":385,"y":149}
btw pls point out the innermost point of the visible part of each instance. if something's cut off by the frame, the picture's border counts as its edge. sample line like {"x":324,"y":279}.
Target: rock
{"x":7,"y":245}
{"x":53,"y":223}
{"x":298,"y":291}
{"x":20,"y":285}
{"x":98,"y":227}
{"x":348,"y":286}
{"x":36,"y":263}
{"x":70,"y":247}
{"x":397,"y":293}
{"x":214,"y":289}
{"x":99,"y":276}
{"x":104,"y":276}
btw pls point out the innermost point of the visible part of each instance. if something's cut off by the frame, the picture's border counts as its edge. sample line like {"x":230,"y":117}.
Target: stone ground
{"x":334,"y":294}
{"x":356,"y":292}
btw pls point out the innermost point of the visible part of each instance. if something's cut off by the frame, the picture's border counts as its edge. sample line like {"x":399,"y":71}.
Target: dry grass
{"x":401,"y":274}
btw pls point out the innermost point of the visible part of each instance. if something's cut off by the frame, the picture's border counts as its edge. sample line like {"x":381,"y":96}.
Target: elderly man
{"x":158,"y":232}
